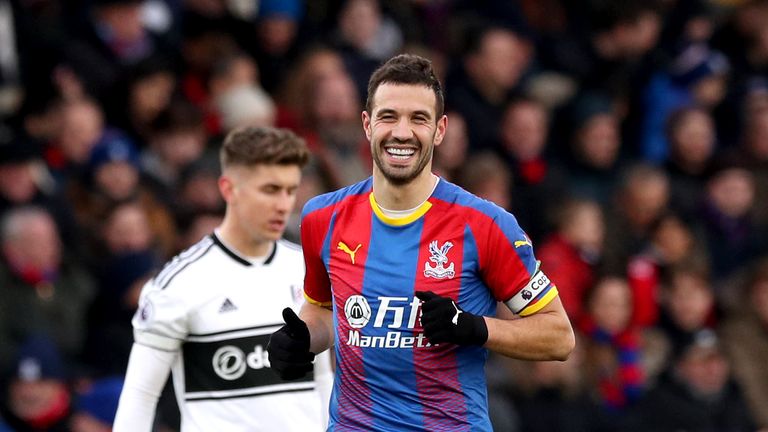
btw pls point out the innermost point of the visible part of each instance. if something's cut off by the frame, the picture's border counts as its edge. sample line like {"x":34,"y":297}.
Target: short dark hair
{"x":406,"y":69}
{"x":179,"y":116}
{"x":605,"y":15}
{"x":249,"y":146}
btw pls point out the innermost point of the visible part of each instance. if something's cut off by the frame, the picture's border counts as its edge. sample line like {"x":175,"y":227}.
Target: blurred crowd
{"x":629,"y":138}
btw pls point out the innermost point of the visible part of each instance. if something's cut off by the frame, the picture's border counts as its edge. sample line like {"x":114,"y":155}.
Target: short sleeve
{"x":161,"y":320}
{"x":509,"y":266}
{"x":317,"y":286}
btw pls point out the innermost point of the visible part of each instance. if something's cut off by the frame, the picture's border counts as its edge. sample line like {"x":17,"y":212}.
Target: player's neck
{"x":235,"y":238}
{"x":403,"y":197}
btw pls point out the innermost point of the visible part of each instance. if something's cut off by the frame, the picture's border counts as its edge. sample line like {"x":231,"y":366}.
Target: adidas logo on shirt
{"x":227,"y":306}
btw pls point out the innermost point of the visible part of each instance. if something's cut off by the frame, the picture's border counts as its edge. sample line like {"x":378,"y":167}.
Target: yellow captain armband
{"x":543,"y":301}
{"x":539,"y":289}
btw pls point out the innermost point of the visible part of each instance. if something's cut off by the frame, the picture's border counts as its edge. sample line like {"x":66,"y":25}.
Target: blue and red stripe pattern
{"x":367,"y":267}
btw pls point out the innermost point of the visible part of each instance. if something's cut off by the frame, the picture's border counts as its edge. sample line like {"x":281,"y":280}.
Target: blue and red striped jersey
{"x":368,"y":266}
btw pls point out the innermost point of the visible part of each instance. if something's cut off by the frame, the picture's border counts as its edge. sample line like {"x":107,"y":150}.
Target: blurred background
{"x":629,"y":138}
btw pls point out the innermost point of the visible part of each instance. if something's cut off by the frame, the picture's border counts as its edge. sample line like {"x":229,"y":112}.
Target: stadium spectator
{"x":670,"y":244}
{"x":39,"y":277}
{"x":112,"y":39}
{"x":364,"y":37}
{"x":641,"y":198}
{"x":198,"y":190}
{"x":725,"y":219}
{"x":176,"y":141}
{"x":126,"y":258}
{"x":594,"y":145}
{"x":538,"y":183}
{"x":25,"y":180}
{"x":613,"y":348}
{"x":194,"y":229}
{"x":453,"y":151}
{"x":687,"y":302}
{"x":485,"y":175}
{"x":205,"y":43}
{"x":95,"y":405}
{"x":741,"y":36}
{"x":571,"y":255}
{"x":310,"y":187}
{"x":754,"y":148}
{"x":610,"y":52}
{"x":697,"y":393}
{"x":545,"y":396}
{"x":147,"y":92}
{"x":333,"y":128}
{"x":490,"y":71}
{"x":697,"y":79}
{"x":114,"y":177}
{"x":275,"y":44}
{"x":38,"y":397}
{"x":82,"y":126}
{"x":691,"y":136}
{"x":315,"y":65}
{"x":746,"y":345}
{"x":237,"y":96}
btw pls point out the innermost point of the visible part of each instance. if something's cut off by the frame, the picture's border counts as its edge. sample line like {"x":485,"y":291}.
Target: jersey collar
{"x":237,"y":257}
{"x":401,"y":221}
{"x":414,"y":215}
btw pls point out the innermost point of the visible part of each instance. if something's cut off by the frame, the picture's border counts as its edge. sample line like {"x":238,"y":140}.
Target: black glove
{"x":288,"y":348}
{"x":443,"y":321}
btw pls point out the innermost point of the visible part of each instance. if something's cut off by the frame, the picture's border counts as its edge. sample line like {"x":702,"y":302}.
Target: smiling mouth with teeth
{"x":400,"y":153}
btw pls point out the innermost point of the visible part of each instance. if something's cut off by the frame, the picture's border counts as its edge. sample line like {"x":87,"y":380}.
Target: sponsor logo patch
{"x":399,"y":314}
{"x":358,"y":311}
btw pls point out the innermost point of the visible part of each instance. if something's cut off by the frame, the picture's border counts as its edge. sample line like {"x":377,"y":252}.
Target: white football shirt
{"x":217,"y":310}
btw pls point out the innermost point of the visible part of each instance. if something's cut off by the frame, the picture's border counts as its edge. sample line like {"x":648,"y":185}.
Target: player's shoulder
{"x":289,"y":250}
{"x":188,"y":265}
{"x":470,"y":204}
{"x":333,"y":199}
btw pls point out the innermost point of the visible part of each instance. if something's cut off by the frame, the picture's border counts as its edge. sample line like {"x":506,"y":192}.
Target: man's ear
{"x":226,"y":187}
{"x":442,"y":124}
{"x":366,"y":124}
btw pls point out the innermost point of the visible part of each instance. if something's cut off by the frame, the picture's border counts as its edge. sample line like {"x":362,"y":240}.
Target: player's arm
{"x":319,"y":320}
{"x":292,"y":348}
{"x":535,"y":325}
{"x":159,"y":326}
{"x":145,"y":378}
{"x":545,"y":335}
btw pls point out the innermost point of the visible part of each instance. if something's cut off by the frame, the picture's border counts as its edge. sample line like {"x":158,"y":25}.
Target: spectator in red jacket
{"x":671,"y":241}
{"x":570,"y":255}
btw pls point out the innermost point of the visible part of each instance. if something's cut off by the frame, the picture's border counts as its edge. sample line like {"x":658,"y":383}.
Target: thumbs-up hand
{"x":288,"y":348}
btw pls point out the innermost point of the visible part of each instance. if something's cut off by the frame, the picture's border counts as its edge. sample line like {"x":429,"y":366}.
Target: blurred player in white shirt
{"x":208,"y":314}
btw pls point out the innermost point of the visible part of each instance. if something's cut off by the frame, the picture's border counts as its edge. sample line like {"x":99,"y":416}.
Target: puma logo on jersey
{"x":526,"y":241}
{"x":343,"y":247}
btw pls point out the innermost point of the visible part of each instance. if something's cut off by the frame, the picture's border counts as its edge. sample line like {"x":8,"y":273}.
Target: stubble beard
{"x":401,"y":177}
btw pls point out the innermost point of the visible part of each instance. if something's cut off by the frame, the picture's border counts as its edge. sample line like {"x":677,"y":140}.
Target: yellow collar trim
{"x":405,"y":220}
